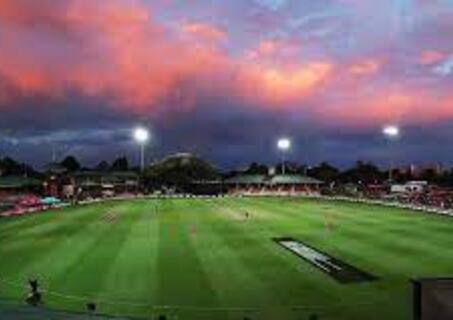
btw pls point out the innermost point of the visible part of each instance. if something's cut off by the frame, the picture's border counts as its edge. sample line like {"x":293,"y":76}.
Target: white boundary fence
{"x":393,"y":204}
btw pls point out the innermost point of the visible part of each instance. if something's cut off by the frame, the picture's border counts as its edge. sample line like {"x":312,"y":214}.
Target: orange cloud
{"x":205,"y":31}
{"x":278,"y":86}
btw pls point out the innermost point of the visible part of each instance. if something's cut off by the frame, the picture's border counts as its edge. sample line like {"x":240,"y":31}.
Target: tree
{"x":180,"y":171}
{"x":11,"y":167}
{"x":364,"y":172}
{"x":257,"y":168}
{"x":103,"y":166}
{"x":448,"y":178}
{"x":291,"y":168}
{"x":325,"y":172}
{"x":120,"y":164}
{"x":71,"y":164}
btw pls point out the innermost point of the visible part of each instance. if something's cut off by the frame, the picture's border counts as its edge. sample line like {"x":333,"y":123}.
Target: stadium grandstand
{"x":14,"y":185}
{"x":261,"y":185}
{"x":98,"y":183}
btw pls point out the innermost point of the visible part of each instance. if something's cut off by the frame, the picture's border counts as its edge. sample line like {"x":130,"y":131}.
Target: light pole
{"x":391,"y":132}
{"x":141,"y":135}
{"x":283,"y":144}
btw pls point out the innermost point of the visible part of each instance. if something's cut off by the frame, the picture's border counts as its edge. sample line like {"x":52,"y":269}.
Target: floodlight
{"x":284,"y":144}
{"x":141,"y":135}
{"x":391,"y":131}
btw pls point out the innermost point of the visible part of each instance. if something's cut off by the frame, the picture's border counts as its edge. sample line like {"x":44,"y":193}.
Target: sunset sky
{"x":224,"y":79}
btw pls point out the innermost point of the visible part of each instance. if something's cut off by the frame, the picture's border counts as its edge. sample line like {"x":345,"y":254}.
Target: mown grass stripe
{"x":182,"y":280}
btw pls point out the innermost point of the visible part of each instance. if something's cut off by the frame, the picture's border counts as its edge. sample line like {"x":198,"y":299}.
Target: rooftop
{"x":14,"y":182}
{"x":277,"y":179}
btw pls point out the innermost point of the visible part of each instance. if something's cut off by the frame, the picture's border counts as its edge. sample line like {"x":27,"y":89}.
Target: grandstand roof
{"x":98,"y":178}
{"x":111,"y":174}
{"x":15,"y":182}
{"x":293,"y":179}
{"x":277,"y":179}
{"x":55,"y":168}
{"x":247,"y":179}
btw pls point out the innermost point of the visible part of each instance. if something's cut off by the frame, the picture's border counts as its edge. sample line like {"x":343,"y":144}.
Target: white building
{"x":409,"y":187}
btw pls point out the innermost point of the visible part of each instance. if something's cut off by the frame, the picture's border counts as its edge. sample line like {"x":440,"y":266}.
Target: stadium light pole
{"x":141,"y":135}
{"x":391,"y":132}
{"x":283,"y":144}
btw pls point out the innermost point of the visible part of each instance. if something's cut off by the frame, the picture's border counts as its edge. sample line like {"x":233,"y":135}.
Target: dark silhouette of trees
{"x":363,"y":172}
{"x":10,"y":167}
{"x":257,"y":168}
{"x":180,"y":171}
{"x":325,"y":172}
{"x":71,"y":164}
{"x":120,"y":164}
{"x":291,"y":168}
{"x":103,"y":166}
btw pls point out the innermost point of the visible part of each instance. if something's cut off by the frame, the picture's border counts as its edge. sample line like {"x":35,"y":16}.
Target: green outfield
{"x":203,"y":259}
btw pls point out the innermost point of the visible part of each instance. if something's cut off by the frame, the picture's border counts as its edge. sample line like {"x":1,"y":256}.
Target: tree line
{"x":362,"y":171}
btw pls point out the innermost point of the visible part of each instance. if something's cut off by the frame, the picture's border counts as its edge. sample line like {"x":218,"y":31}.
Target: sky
{"x":225,"y":79}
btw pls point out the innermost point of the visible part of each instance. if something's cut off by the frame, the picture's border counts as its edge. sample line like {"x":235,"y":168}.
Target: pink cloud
{"x":272,"y":48}
{"x":205,"y":31}
{"x":428,"y":57}
{"x":365,"y":67}
{"x":115,"y":50}
{"x":387,"y":104}
{"x":119,"y":51}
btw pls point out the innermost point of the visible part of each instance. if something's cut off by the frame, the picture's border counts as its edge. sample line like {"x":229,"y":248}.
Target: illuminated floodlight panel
{"x":141,"y":135}
{"x":391,"y":131}
{"x":284,"y":144}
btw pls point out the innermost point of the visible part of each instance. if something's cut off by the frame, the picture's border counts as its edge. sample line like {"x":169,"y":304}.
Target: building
{"x":56,"y":178}
{"x":409,"y":187}
{"x":18,"y":185}
{"x":62,"y":184}
{"x":104,"y":184}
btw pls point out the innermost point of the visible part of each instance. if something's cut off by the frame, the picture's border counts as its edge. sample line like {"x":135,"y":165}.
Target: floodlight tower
{"x":283,"y":144}
{"x":141,"y":136}
{"x":391,"y":132}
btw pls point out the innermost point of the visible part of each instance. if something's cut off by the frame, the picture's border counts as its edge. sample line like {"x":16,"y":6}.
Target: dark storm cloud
{"x":40,"y":114}
{"x":228,"y":139}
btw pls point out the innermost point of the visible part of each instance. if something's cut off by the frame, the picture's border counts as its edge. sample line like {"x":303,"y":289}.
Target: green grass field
{"x":201,"y":259}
